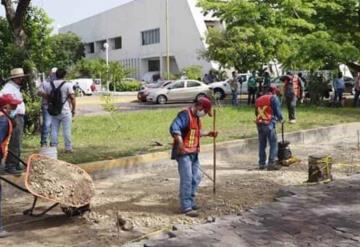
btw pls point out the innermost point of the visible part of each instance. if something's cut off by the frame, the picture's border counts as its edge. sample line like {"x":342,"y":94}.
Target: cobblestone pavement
{"x":322,"y":215}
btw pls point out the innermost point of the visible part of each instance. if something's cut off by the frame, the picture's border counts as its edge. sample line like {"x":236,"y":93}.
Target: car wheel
{"x":200,"y":96}
{"x":219,"y":94}
{"x":161,"y":99}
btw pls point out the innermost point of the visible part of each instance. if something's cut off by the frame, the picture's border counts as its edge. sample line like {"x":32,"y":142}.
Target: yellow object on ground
{"x":292,"y":161}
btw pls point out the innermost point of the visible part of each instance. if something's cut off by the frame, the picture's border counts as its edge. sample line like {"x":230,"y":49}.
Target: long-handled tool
{"x":214,"y":152}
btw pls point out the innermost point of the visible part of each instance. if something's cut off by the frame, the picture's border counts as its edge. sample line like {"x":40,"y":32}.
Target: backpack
{"x":55,"y":103}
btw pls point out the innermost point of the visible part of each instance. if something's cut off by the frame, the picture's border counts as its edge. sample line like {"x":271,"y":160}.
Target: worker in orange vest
{"x":8,"y":106}
{"x":186,"y":131}
{"x":293,"y":92}
{"x":268,"y":112}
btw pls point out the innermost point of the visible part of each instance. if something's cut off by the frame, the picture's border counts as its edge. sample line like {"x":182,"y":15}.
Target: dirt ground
{"x":128,"y":208}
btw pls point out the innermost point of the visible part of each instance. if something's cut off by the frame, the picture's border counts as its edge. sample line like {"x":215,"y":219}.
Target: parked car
{"x":179,"y":91}
{"x":222,"y":89}
{"x":84,"y":85}
{"x":145,"y":90}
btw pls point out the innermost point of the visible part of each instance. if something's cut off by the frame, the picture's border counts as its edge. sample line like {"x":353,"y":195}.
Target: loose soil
{"x":59,"y":181}
{"x":147,"y":202}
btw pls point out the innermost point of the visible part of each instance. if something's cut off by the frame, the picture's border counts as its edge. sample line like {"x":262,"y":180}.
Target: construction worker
{"x":268,"y":112}
{"x":8,"y":105}
{"x":293,"y":93}
{"x":186,"y":131}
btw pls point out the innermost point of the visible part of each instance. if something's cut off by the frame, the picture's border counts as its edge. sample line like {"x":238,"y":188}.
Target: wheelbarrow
{"x":56,"y":181}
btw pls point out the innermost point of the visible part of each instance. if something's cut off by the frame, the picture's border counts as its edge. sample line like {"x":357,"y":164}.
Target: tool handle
{"x":214,"y":157}
{"x":17,"y":158}
{"x":282,"y":132}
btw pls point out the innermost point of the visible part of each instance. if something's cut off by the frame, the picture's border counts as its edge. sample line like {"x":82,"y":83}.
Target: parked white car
{"x":84,"y":85}
{"x":222,"y":89}
{"x":179,"y":91}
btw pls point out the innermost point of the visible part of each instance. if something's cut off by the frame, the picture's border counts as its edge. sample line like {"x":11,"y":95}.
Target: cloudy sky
{"x":65,"y":12}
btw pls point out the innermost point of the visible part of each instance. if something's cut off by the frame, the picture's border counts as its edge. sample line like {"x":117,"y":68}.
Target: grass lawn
{"x":104,"y":137}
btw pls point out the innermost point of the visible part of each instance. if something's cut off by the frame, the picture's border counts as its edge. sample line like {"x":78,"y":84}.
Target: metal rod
{"x":207,"y":175}
{"x":15,"y":185}
{"x":17,"y":158}
{"x":214,"y":151}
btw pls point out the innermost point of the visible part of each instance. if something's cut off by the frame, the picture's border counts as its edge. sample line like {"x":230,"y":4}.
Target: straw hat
{"x":16,"y":73}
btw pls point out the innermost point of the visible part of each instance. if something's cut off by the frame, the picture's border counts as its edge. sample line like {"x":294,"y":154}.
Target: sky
{"x":65,"y":12}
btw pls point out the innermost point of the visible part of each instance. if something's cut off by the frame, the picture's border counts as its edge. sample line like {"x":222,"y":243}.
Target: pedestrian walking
{"x":252,"y":88}
{"x":266,"y":83}
{"x":13,"y":87}
{"x":186,"y":131}
{"x":293,"y":92}
{"x":8,"y":106}
{"x":234,"y":86}
{"x":339,"y":87}
{"x":357,"y":90}
{"x":268,"y":112}
{"x":46,"y":118}
{"x":61,"y":107}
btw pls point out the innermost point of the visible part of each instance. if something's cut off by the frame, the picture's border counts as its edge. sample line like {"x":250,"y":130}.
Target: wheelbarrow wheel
{"x":72,"y":211}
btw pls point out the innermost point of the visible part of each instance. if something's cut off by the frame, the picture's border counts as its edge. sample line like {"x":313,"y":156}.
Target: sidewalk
{"x":323,"y":215}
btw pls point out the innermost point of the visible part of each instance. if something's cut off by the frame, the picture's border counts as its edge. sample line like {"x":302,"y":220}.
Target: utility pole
{"x":167,"y":41}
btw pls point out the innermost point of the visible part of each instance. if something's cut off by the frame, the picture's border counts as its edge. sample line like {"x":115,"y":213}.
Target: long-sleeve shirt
{"x":276,"y":107}
{"x":14,"y":89}
{"x":179,"y":126}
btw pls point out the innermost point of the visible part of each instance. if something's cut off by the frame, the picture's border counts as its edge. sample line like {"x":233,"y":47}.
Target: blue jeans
{"x":1,"y":223}
{"x":190,"y":177}
{"x":234,"y":98}
{"x":64,"y":119}
{"x":291,"y":105}
{"x":356,"y":98}
{"x":267,"y":133}
{"x":46,"y":125}
{"x":339,"y":95}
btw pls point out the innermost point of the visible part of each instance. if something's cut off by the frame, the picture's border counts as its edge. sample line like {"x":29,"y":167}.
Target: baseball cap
{"x":8,"y":99}
{"x":206,"y":104}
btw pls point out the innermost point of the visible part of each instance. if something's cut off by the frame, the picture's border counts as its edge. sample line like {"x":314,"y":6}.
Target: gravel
{"x":59,"y":181}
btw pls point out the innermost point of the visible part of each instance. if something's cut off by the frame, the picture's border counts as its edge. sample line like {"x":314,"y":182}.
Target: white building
{"x":137,"y":35}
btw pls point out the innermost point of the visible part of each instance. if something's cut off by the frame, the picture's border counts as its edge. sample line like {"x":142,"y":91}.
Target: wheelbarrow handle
{"x":282,"y":131}
{"x":17,"y":158}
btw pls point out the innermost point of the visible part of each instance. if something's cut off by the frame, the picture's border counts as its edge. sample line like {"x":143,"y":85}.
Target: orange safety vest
{"x":294,"y":82}
{"x":5,"y":143}
{"x":264,"y":110}
{"x":192,"y":137}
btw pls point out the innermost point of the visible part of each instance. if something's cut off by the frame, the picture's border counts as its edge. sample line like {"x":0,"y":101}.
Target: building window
{"x":90,"y":48}
{"x":117,"y":43}
{"x":154,"y":65}
{"x":150,"y":36}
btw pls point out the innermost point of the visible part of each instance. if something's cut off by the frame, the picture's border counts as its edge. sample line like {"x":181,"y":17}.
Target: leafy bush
{"x":193,"y":72}
{"x":126,"y":86}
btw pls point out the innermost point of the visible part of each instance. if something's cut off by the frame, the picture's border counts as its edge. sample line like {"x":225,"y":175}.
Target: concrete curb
{"x":151,"y":161}
{"x":103,"y":169}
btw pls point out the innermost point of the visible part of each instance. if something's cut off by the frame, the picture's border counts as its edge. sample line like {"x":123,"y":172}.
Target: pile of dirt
{"x":59,"y":181}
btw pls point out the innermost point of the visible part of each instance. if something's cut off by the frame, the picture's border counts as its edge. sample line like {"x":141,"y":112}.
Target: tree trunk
{"x":16,"y":19}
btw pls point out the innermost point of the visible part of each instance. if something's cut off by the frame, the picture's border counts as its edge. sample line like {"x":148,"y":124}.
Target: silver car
{"x":179,"y":91}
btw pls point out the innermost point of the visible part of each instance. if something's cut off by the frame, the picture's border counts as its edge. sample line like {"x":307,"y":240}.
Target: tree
{"x":16,"y":18}
{"x":299,"y":33}
{"x":67,"y":49}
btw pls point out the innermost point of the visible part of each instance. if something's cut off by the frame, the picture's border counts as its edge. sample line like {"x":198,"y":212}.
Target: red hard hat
{"x":8,"y":99}
{"x":205,"y":102}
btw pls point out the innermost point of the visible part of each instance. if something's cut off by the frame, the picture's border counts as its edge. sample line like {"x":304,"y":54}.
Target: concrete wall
{"x":187,"y":32}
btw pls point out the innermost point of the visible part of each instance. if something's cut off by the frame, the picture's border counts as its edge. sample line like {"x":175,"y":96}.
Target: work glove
{"x":213,"y":134}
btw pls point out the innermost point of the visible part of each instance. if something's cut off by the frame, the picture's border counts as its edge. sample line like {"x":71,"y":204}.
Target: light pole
{"x":106,"y":46}
{"x":167,"y":41}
